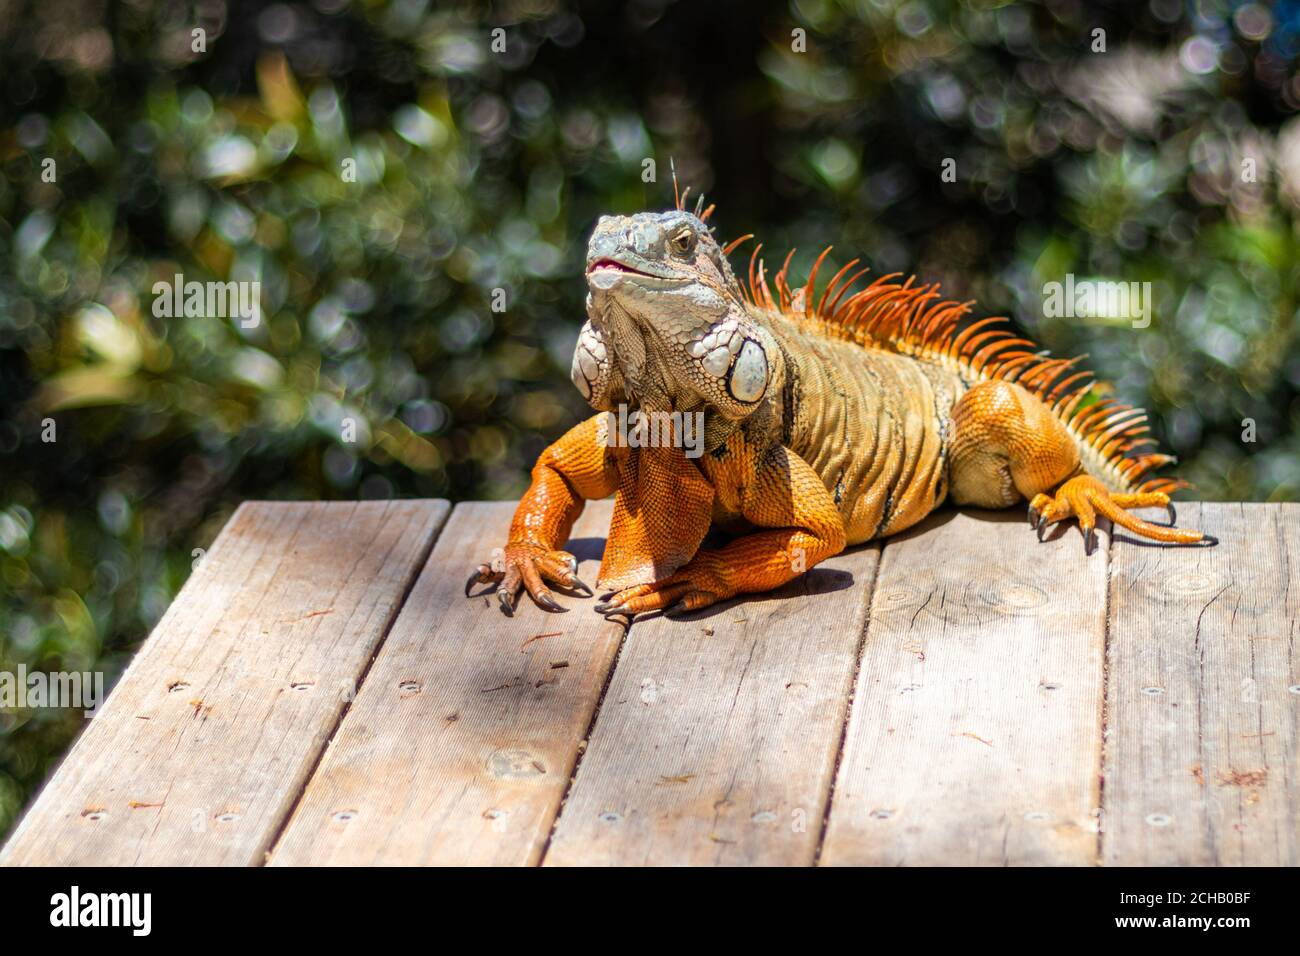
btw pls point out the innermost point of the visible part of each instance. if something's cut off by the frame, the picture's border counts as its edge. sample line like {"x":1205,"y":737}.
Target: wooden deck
{"x":321,"y":692}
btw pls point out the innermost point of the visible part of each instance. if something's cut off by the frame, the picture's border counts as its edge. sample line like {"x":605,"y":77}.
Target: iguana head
{"x":667,"y":326}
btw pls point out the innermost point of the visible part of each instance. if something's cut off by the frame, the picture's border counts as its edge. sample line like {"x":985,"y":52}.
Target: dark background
{"x":482,"y":171}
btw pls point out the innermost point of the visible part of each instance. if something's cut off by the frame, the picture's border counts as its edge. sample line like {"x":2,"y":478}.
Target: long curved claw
{"x":507,"y":604}
{"x":548,"y":602}
{"x":583,"y":589}
{"x":478,"y":576}
{"x":1173,"y":515}
{"x":677,"y":609}
{"x":1033,"y":515}
{"x":1042,"y":526}
{"x":1090,"y":541}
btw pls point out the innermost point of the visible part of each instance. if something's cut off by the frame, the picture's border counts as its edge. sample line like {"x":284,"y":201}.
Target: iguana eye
{"x":682,"y":242}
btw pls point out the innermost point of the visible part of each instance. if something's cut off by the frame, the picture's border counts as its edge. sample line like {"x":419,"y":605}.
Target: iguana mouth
{"x":614,"y":264}
{"x":604,"y":272}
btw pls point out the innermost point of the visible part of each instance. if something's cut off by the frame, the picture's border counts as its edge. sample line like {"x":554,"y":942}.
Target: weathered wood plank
{"x":716,"y":742}
{"x":1203,"y":695}
{"x":460,"y":744}
{"x":201,"y":750}
{"x":975,"y":731}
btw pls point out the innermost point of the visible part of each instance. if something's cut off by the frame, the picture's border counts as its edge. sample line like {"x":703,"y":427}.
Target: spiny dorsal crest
{"x":911,"y":318}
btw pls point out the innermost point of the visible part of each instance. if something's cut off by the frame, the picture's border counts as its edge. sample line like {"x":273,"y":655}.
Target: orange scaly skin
{"x":824,"y":421}
{"x":780,"y":492}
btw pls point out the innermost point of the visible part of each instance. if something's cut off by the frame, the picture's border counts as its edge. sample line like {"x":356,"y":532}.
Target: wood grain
{"x":974,"y":737}
{"x":966,"y":713}
{"x":459,"y":747}
{"x":202,"y":748}
{"x":716,"y":742}
{"x":1203,"y":695}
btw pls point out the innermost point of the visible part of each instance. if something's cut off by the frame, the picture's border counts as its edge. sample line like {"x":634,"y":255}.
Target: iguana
{"x":829,"y":419}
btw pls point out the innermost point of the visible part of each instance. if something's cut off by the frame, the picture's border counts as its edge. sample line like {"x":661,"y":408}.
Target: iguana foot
{"x":527,"y":565}
{"x":697,"y":585}
{"x":1084,"y":497}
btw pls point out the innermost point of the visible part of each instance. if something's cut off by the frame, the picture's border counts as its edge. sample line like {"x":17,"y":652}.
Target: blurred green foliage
{"x":1172,"y":157}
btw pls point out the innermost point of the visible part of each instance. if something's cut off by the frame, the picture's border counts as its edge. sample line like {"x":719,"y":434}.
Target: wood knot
{"x":1013,"y":597}
{"x":511,"y":763}
{"x":1192,"y":584}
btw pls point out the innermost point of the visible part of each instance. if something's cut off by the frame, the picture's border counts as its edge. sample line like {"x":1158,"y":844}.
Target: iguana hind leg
{"x":1008,"y":446}
{"x":777,"y":491}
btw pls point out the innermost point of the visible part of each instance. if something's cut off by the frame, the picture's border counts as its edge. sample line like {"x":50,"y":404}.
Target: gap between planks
{"x":347,"y":704}
{"x":974,"y":735}
{"x":717,"y":739}
{"x":461,"y":742}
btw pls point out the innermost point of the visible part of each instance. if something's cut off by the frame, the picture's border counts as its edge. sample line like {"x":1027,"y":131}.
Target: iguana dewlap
{"x":830,"y":417}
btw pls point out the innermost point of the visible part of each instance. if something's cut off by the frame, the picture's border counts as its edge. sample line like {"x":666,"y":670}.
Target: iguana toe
{"x":645,"y":597}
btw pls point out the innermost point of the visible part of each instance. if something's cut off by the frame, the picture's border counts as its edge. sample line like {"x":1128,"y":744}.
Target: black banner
{"x":209,"y":906}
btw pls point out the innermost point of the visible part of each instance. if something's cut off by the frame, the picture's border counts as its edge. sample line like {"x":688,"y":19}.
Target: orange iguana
{"x":827,"y":420}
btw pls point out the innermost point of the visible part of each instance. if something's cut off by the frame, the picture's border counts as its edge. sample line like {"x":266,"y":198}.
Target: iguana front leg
{"x":577,"y":468}
{"x":1008,"y":446}
{"x":778,"y":490}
